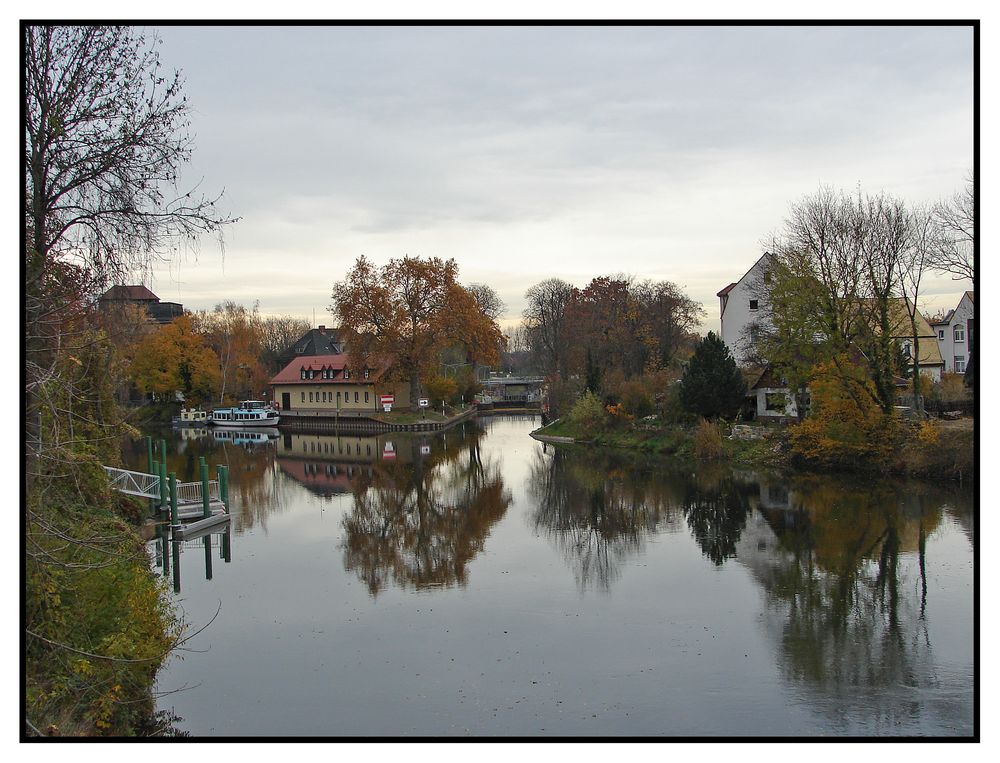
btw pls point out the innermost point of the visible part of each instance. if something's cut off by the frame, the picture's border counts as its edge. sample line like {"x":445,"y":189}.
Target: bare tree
{"x":105,"y":135}
{"x":916,"y":259}
{"x":956,"y":222}
{"x":544,"y":320}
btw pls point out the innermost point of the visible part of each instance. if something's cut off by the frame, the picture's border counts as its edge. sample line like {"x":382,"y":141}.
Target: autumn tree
{"x":408,"y":312}
{"x":235,"y":333}
{"x":176,"y":358}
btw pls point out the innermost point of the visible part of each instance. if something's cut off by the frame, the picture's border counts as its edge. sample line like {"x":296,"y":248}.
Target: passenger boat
{"x":251,"y":413}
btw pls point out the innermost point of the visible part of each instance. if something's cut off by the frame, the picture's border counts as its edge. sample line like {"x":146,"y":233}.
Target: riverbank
{"x":942,"y":449}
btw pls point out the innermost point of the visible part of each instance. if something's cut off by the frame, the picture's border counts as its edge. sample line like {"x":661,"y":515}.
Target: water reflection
{"x":418,"y":519}
{"x":168,"y":553}
{"x":843,"y":565}
{"x":597,"y":509}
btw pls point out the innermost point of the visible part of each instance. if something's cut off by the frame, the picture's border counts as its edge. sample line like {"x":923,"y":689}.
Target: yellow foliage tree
{"x":176,"y":359}
{"x":846,"y":427}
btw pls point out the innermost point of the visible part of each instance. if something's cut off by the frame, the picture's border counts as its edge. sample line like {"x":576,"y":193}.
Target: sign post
{"x":387,"y":401}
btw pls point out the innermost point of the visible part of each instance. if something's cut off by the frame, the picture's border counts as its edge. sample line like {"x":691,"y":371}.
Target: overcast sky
{"x":529,"y":153}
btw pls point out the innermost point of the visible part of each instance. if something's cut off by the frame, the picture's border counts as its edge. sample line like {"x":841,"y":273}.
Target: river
{"x":476,"y":582}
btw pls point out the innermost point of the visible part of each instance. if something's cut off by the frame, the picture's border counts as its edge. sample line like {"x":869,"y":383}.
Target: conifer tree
{"x":712,"y":386}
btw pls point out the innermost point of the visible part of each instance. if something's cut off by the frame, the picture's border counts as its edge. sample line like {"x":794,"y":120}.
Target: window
{"x":960,"y":333}
{"x":366,"y":397}
{"x":347,"y":373}
{"x":959,"y":364}
{"x":366,"y":373}
{"x":302,"y":374}
{"x":310,"y":397}
{"x":324,"y":397}
{"x":355,"y":396}
{"x":753,"y":305}
{"x":941,"y":335}
{"x":303,"y":397}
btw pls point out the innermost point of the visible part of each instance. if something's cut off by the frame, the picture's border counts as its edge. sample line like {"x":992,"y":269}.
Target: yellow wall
{"x":347,"y":392}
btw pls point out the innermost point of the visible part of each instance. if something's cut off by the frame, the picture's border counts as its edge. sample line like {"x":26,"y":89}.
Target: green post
{"x":206,"y":510}
{"x":164,"y":495}
{"x":222,"y":472}
{"x":227,"y":547}
{"x":207,"y":540}
{"x":166,"y":551}
{"x":173,"y":499}
{"x":149,"y":453}
{"x":176,"y":552}
{"x":163,"y":451}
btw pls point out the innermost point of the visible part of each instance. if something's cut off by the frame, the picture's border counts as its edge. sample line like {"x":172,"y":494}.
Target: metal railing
{"x":190,"y":492}
{"x":134,"y":483}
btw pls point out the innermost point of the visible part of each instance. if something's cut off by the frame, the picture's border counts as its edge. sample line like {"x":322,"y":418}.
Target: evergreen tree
{"x":712,"y":386}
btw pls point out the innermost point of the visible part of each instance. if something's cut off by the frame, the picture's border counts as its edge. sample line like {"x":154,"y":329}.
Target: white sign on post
{"x":423,"y":402}
{"x":387,"y":401}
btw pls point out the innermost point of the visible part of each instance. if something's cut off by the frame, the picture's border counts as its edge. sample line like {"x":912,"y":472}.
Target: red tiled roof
{"x":131,"y":293}
{"x":725,"y":291}
{"x":292,"y":373}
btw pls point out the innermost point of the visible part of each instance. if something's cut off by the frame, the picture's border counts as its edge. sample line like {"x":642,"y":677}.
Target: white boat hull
{"x":269,"y":421}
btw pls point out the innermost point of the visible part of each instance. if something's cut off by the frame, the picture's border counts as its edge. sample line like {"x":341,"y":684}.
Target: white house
{"x":955,"y":334}
{"x":742,"y":304}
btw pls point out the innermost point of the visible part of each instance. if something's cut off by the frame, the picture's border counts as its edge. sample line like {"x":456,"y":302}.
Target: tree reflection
{"x":847,"y":583}
{"x":419,"y":521}
{"x":597,"y":509}
{"x":716,"y":507}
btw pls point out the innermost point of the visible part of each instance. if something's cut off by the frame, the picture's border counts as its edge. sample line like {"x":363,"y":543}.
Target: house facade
{"x":332,"y":384}
{"x":955,"y":334}
{"x":741,"y":304}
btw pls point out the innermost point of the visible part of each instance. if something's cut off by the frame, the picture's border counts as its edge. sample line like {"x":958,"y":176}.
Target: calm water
{"x":478,"y":583}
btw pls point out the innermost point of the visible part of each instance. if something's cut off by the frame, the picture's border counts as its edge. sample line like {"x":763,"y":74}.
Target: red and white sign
{"x":389,"y":451}
{"x":388,"y":399}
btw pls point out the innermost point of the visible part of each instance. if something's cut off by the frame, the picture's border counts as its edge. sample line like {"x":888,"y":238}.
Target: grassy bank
{"x":940,"y":449}
{"x":97,"y":620}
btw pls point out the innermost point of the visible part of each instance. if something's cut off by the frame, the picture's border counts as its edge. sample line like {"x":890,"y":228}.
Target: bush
{"x":846,"y":428}
{"x":708,"y":444}
{"x":636,"y":400}
{"x":588,"y":415}
{"x":440,"y":389}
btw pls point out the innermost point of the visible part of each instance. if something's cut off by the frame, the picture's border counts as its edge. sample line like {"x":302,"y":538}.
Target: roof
{"x":725,"y":291}
{"x":292,"y":373}
{"x":972,"y":296}
{"x":944,"y":321}
{"x":130,"y":293}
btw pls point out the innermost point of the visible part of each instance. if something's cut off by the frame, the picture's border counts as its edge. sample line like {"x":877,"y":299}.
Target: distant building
{"x":956,"y":333}
{"x":317,"y":341}
{"x":161,"y":312}
{"x":741,"y":305}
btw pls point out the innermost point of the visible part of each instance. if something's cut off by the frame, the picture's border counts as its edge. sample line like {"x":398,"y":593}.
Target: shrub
{"x":846,"y":428}
{"x":440,"y":389}
{"x":636,"y":399}
{"x":708,"y":444}
{"x":588,"y":415}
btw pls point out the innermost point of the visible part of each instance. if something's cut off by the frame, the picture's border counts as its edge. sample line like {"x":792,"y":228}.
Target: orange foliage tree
{"x":176,"y":359}
{"x":846,"y":425}
{"x":409,"y":311}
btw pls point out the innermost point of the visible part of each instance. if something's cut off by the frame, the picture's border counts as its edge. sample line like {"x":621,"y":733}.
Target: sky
{"x":525,"y":153}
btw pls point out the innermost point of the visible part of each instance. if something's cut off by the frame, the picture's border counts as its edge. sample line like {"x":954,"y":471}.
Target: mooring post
{"x":174,"y":521}
{"x":207,"y":540}
{"x":166,"y":550}
{"x":149,"y":453}
{"x":222,"y":472}
{"x":206,"y":509}
{"x":176,"y":551}
{"x":227,"y":544}
{"x":164,"y":494}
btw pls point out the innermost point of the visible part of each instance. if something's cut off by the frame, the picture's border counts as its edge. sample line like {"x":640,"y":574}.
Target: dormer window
{"x":302,"y":374}
{"x":366,"y":373}
{"x":347,"y":373}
